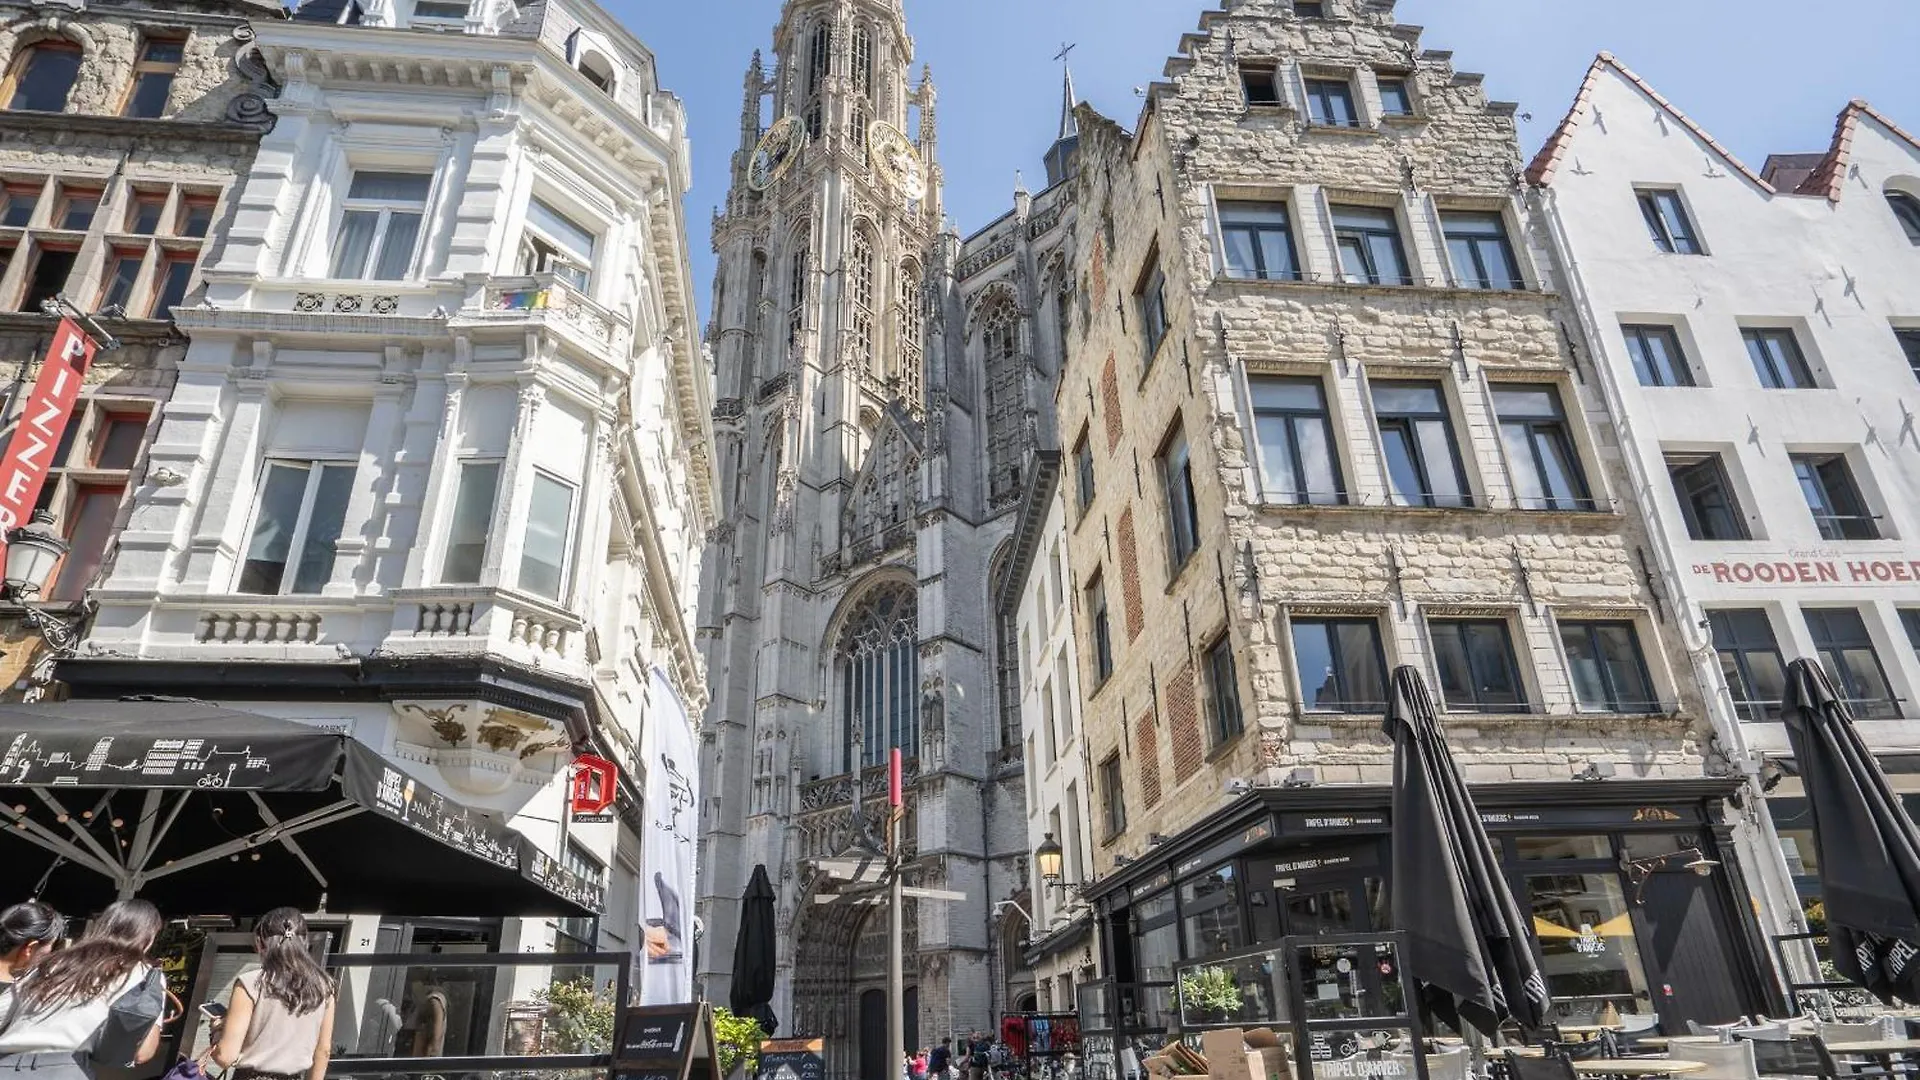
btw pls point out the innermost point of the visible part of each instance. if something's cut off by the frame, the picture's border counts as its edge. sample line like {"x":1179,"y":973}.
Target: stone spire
{"x":1066,"y":146}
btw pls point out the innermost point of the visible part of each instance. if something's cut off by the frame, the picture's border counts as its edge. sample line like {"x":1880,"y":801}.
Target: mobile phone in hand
{"x":213,"y":1010}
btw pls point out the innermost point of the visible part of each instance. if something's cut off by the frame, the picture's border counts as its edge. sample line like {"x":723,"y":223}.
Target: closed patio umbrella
{"x":753,"y":954}
{"x":1869,"y":848}
{"x":1470,"y":951}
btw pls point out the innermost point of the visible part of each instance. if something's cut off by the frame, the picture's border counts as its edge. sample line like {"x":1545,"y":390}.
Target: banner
{"x":672,"y":819}
{"x":23,"y":470}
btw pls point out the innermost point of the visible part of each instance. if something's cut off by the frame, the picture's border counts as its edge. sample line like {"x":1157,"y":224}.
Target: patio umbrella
{"x":1869,"y":848}
{"x":1469,"y":949}
{"x":753,"y":954}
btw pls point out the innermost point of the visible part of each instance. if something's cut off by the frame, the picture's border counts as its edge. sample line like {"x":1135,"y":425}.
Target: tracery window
{"x":863,"y":61}
{"x":819,"y":55}
{"x":879,"y":668}
{"x":797,"y":287}
{"x":862,"y":292}
{"x":1006,"y":406}
{"x":912,"y":328}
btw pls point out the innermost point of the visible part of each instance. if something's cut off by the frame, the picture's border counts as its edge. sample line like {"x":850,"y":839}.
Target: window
{"x":1907,"y":209}
{"x":1183,"y":509}
{"x":1481,"y":254}
{"x":1608,"y":671}
{"x":912,"y":323}
{"x":42,"y":75}
{"x":1840,"y":636}
{"x":380,"y":225}
{"x":143,"y":212}
{"x":1750,"y":662}
{"x":797,"y":287}
{"x":879,"y":667}
{"x":1151,"y":295}
{"x":74,"y":212}
{"x":861,"y":60}
{"x":1836,"y":505}
{"x":1777,"y":359}
{"x":1706,"y":497}
{"x":1341,"y":665}
{"x":440,"y":9}
{"x":1102,"y":629}
{"x":20,"y":201}
{"x":1310,"y":9}
{"x":1910,"y":619}
{"x":1423,"y":461}
{"x":1910,"y":344}
{"x":302,"y":507}
{"x":175,"y":274}
{"x":1330,"y":103}
{"x":543,"y":559}
{"x":1396,"y":98}
{"x":48,"y":276}
{"x":1657,"y":356}
{"x":123,"y":271}
{"x":196,"y":216}
{"x":1083,"y":471}
{"x":1295,"y":437}
{"x":1369,"y":241}
{"x":87,"y":479}
{"x":577,"y":935}
{"x":595,"y":68}
{"x":1113,"y":800}
{"x":555,"y":244}
{"x":1258,"y":240}
{"x":1260,"y":84}
{"x":1540,"y":455}
{"x":1477,"y":669}
{"x":1667,"y":222}
{"x":472,"y":520}
{"x":153,"y":77}
{"x":860,"y":287}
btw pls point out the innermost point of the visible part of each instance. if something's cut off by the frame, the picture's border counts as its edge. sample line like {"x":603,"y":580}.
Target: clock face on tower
{"x":896,"y":160}
{"x":779,"y":148}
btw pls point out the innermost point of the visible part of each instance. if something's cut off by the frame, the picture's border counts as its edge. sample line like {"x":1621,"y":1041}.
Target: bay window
{"x":543,"y":558}
{"x":472,"y":520}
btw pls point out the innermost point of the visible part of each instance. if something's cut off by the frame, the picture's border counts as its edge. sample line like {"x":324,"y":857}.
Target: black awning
{"x":205,"y":810}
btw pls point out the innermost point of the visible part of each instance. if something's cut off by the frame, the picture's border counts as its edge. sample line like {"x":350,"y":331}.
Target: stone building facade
{"x":434,"y":466}
{"x":1759,"y":332}
{"x":1335,"y":416}
{"x":882,"y":394}
{"x":122,"y":130}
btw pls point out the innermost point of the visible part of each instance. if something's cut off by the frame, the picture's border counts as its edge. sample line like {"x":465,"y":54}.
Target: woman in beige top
{"x":280,"y":1015}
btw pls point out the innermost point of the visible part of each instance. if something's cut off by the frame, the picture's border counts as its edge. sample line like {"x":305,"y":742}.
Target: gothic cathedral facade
{"x":884,"y":403}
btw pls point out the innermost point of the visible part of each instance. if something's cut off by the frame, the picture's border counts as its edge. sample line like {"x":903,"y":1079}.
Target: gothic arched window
{"x":879,"y":669}
{"x":1062,"y":318}
{"x":912,"y":329}
{"x":860,"y":267}
{"x":819,"y":50}
{"x":797,"y":287}
{"x":1006,"y":657}
{"x":1006,"y":403}
{"x":863,"y":61}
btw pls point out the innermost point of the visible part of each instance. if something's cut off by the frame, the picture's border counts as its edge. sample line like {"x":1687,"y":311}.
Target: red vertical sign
{"x":23,"y":471}
{"x":895,"y":798}
{"x":594,"y":787}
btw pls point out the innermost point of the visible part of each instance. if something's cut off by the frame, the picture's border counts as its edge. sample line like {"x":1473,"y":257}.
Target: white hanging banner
{"x":666,"y":888}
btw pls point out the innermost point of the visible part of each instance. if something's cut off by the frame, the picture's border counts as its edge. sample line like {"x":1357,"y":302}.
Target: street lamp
{"x":33,"y":550}
{"x":1048,"y":857}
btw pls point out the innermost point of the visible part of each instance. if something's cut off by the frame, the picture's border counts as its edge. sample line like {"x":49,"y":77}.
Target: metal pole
{"x":896,"y":945}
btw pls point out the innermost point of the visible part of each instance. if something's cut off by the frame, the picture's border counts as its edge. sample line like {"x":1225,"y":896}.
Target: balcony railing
{"x":549,"y":298}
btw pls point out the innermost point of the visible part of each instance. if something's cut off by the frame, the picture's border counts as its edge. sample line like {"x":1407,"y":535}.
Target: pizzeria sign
{"x":1811,"y":571}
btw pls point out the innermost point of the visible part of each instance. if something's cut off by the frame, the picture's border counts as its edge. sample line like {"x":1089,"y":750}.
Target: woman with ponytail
{"x":280,"y":1015}
{"x":27,"y":933}
{"x":97,"y":1002}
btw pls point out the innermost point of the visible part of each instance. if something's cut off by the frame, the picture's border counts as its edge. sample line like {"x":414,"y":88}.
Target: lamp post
{"x":33,"y":550}
{"x":1048,"y":857}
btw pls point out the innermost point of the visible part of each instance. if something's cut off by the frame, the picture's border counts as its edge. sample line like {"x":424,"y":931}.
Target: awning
{"x":206,"y":811}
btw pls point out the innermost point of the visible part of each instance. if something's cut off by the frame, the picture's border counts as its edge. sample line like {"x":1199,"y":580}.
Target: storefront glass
{"x":1587,"y":945}
{"x":1210,"y":914}
{"x":1157,"y":938}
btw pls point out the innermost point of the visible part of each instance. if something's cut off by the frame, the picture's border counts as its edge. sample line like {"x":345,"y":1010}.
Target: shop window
{"x":301,"y":510}
{"x":1589,"y":954}
{"x":1906,"y":209}
{"x":1846,"y":649}
{"x":380,"y":225}
{"x":1396,"y":96}
{"x":1102,"y":629}
{"x":1156,"y":939}
{"x":1537,"y":848}
{"x":472,"y":520}
{"x":1478,"y":672}
{"x":1294,"y":434}
{"x":543,"y":557}
{"x":1341,"y":665}
{"x":17,"y":213}
{"x":144,"y":212}
{"x":1541,"y":460}
{"x":41,"y":76}
{"x":1330,"y":103}
{"x":1750,"y":662}
{"x":48,"y":275}
{"x":1183,"y":507}
{"x":556,"y":244}
{"x":1210,"y":922}
{"x":1368,"y":240}
{"x":1113,"y":798}
{"x":1257,"y":238}
{"x":88,"y":479}
{"x":1478,"y":247}
{"x":1833,"y":498}
{"x":153,"y":76}
{"x":1423,"y":461}
{"x":879,"y":666}
{"x":578,"y":935}
{"x":76,"y":208}
{"x":1083,"y":470}
{"x":1260,"y":83}
{"x":1150,"y":296}
{"x":1223,"y":690}
{"x":1658,"y":359}
{"x":1706,"y":496}
{"x":1608,"y":670}
{"x":1777,"y":359}
{"x":1668,"y":223}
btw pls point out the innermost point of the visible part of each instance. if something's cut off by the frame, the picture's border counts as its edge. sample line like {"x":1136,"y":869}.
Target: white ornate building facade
{"x":884,"y":391}
{"x":434,"y":470}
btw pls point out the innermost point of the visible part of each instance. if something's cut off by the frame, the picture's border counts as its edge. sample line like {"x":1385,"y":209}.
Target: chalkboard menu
{"x":665,"y":1042}
{"x":793,"y":1059}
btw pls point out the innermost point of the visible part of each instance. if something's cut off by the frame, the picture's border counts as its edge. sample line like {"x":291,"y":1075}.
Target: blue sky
{"x":1764,"y":76}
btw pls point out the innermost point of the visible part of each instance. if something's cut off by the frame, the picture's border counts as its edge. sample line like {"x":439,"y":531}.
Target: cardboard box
{"x":1226,"y":1053}
{"x":1270,"y":1063}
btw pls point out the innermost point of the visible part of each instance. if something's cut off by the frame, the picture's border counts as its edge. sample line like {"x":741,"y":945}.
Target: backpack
{"x":979,"y":1059}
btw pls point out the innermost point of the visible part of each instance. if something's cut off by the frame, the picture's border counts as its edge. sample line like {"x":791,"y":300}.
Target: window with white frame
{"x":380,"y":225}
{"x":301,"y":508}
{"x":473,"y":505}
{"x":543,"y":556}
{"x":554,"y":243}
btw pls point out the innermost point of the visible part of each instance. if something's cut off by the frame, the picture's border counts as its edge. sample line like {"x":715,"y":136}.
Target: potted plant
{"x":1211,"y":991}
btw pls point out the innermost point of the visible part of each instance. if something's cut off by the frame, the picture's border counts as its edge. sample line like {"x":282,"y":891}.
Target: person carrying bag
{"x":97,"y":1001}
{"x":279,"y":1015}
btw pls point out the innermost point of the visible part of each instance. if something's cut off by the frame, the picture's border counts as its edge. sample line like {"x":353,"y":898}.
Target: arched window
{"x":912,"y":330}
{"x":41,"y":76}
{"x":1907,"y":209}
{"x":797,"y":287}
{"x":860,"y":282}
{"x":819,"y":53}
{"x":879,"y":667}
{"x":863,"y":61}
{"x":1006,"y":657}
{"x":598,"y":70}
{"x":1006,"y":404}
{"x":1062,"y":317}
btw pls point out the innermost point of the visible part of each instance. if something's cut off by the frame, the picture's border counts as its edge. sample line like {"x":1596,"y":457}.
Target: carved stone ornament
{"x":501,"y":738}
{"x":445,"y":727}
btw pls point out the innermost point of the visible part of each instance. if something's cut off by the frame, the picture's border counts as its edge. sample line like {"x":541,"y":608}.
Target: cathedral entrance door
{"x":873,"y":1037}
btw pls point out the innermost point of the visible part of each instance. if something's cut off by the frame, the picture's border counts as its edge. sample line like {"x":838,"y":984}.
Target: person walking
{"x":279,"y":1015}
{"x":940,"y":1060}
{"x":977,"y":1055}
{"x":28,"y":931}
{"x":98,"y":1002}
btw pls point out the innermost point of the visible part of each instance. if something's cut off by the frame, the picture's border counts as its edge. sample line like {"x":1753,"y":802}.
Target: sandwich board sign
{"x":666,"y":1042}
